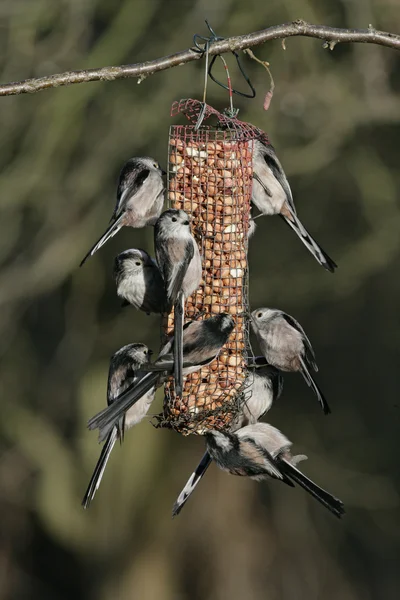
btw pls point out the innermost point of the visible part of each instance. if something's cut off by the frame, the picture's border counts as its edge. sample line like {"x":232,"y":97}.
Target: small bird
{"x":202,"y":342}
{"x":140,"y":198}
{"x":179,"y":261}
{"x":260,"y":451}
{"x":272,"y":196}
{"x":285,"y":345}
{"x":264,"y":386}
{"x":139,"y":281}
{"x":124,"y":372}
{"x":243,"y":453}
{"x":252,"y":228}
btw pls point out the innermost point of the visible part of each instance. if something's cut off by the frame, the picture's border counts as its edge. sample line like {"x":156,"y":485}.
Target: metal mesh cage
{"x":210,"y":177}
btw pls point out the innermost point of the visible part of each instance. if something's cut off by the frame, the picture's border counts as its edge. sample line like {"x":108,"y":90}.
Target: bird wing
{"x":257,"y":460}
{"x":154,"y":298}
{"x":129,"y":188}
{"x":179,"y":308}
{"x":173,"y":257}
{"x":273,"y":163}
{"x":310,"y":355}
{"x":198,"y":349}
{"x":107,"y":418}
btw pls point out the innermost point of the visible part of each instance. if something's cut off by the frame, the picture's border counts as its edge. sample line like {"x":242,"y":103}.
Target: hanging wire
{"x":230,"y":112}
{"x":204,"y":107}
{"x":204,"y":49}
{"x":243,"y":94}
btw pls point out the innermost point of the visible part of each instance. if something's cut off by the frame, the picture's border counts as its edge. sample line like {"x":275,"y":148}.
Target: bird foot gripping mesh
{"x":210,"y":178}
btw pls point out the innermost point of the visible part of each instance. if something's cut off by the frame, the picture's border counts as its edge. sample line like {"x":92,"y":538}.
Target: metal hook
{"x":205,"y":49}
{"x":236,"y":55}
{"x":204,"y":107}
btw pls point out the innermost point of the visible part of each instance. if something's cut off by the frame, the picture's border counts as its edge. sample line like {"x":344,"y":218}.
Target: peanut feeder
{"x":210,"y":178}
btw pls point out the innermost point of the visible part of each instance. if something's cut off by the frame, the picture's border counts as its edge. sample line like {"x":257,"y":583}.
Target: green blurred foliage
{"x":335,"y":122}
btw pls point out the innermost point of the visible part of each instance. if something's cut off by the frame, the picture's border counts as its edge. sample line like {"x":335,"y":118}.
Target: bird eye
{"x":138,"y":263}
{"x":156,"y":165}
{"x":174,"y":219}
{"x":259,"y":315}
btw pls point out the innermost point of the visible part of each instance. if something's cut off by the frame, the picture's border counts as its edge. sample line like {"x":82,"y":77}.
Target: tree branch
{"x":331,"y":35}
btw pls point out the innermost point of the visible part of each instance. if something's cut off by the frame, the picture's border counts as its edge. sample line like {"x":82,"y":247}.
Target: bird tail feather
{"x":178,"y":343}
{"x":109,"y":233}
{"x":99,"y":468}
{"x":106,"y":419}
{"x":193,"y":480}
{"x":310,"y":381}
{"x":319,"y":254}
{"x":325,"y":498}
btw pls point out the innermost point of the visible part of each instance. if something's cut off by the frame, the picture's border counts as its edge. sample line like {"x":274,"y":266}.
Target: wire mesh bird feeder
{"x":210,"y":178}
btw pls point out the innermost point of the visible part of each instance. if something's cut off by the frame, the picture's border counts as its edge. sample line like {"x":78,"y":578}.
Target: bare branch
{"x":330,"y":35}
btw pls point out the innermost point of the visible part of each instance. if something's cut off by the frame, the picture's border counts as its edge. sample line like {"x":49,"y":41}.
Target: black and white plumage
{"x":249,"y":451}
{"x":285,"y":345}
{"x":123,"y":373}
{"x":265,"y":385}
{"x":179,"y":261}
{"x":272,"y":196}
{"x":140,"y":198}
{"x":243,"y":453}
{"x":139,"y":281}
{"x":202,"y":342}
{"x":193,"y":480}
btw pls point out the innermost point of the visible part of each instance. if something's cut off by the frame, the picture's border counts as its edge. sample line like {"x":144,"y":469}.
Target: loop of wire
{"x":204,"y":49}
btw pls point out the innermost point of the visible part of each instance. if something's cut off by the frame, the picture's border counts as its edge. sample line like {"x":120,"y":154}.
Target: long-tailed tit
{"x":252,"y":228}
{"x":285,"y":345}
{"x":265,"y":385}
{"x":179,"y":261}
{"x":272,"y":196}
{"x":202,"y":342}
{"x":248,"y":452}
{"x":193,"y":480}
{"x":124,"y":372}
{"x":241,"y":453}
{"x":140,"y":198}
{"x":139,"y":281}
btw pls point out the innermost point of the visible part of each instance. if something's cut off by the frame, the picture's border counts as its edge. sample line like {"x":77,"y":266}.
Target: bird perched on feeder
{"x":260,"y":451}
{"x":140,"y":198}
{"x":264,"y":385}
{"x":202,"y":342}
{"x":272,"y":196}
{"x":252,"y":228}
{"x":139,"y":281}
{"x":284,"y":344}
{"x":179,"y":261}
{"x":124,"y":372}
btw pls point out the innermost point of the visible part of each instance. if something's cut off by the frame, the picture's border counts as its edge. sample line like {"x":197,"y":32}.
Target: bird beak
{"x":163,"y":172}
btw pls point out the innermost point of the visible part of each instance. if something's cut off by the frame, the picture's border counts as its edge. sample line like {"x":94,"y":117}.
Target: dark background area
{"x":335,"y":123}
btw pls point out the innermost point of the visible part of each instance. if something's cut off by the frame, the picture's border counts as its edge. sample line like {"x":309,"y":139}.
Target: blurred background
{"x":335,"y":123}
